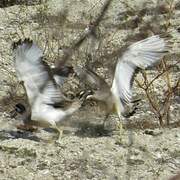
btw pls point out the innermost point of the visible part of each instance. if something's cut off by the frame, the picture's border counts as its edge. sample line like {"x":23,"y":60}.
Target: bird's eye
{"x":20,"y":108}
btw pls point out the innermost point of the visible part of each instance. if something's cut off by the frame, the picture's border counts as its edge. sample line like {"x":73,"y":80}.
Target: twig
{"x":160,"y":74}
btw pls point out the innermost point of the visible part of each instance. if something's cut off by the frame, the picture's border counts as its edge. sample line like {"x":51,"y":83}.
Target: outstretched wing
{"x":35,"y":73}
{"x":43,"y":93}
{"x":27,"y":50}
{"x":142,"y":54}
{"x":25,"y":53}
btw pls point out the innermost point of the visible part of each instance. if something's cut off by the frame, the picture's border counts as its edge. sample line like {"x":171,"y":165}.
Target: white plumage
{"x":43,"y":93}
{"x":142,"y":54}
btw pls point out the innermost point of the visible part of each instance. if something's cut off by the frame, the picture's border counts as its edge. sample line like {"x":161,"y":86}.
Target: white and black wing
{"x":142,"y":54}
{"x":43,"y":93}
{"x":25,"y":53}
{"x":27,"y":50}
{"x":35,"y":73}
{"x":51,"y":95}
{"x":29,"y":68}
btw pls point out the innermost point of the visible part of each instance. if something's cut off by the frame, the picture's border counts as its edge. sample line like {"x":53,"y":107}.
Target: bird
{"x":48,"y":105}
{"x":143,"y":54}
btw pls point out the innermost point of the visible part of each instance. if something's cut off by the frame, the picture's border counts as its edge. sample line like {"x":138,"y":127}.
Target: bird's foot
{"x":60,"y":136}
{"x":58,"y":141}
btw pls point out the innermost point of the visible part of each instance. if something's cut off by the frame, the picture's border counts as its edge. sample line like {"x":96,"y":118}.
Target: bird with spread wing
{"x":48,"y":105}
{"x":140,"y":55}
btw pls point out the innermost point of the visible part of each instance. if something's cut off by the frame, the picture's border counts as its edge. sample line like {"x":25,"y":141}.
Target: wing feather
{"x":35,"y":73}
{"x":27,"y":51}
{"x":142,"y":54}
{"x":42,"y":90}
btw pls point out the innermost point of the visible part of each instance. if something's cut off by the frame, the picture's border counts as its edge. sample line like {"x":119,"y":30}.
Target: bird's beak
{"x":89,"y":96}
{"x":85,"y":94}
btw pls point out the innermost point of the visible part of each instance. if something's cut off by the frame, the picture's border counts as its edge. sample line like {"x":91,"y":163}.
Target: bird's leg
{"x":120,"y":129}
{"x":119,"y":122}
{"x":60,"y":133}
{"x":119,"y":126}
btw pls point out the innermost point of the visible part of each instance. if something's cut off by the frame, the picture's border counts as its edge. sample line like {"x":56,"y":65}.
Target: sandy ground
{"x":87,"y":150}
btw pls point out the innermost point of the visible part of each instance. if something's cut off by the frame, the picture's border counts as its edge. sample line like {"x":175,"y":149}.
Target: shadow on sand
{"x":87,"y":129}
{"x":12,"y":134}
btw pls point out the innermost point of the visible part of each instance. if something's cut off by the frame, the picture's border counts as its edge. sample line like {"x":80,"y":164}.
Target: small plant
{"x":161,"y":108}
